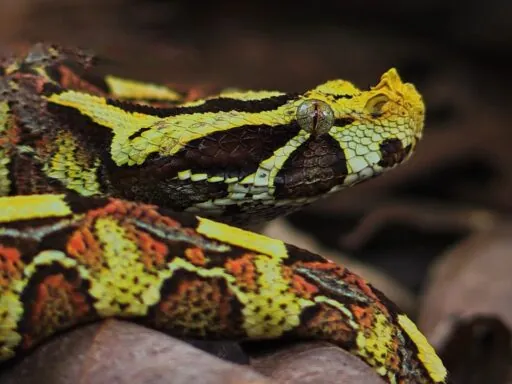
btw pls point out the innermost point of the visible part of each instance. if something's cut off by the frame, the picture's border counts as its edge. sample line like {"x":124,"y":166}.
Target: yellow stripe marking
{"x":426,"y":352}
{"x":269,"y":168}
{"x":165,"y":136}
{"x":241,"y":238}
{"x":108,"y":116}
{"x":70,"y":165}
{"x":264,"y":316}
{"x":32,"y":207}
{"x":335,"y":87}
{"x":5,"y":183}
{"x":130,"y":89}
{"x":341,"y":307}
{"x":249,"y":95}
{"x":113,"y":285}
{"x":4,"y":115}
{"x":244,"y":95}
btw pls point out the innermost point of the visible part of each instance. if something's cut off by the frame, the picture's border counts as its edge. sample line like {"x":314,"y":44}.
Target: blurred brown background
{"x":457,"y":189}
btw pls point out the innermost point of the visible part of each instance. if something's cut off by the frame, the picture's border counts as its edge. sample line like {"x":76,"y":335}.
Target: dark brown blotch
{"x":318,"y":165}
{"x":393,"y":152}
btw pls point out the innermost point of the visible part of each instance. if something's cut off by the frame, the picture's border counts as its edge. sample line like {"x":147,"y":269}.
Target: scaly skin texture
{"x":72,"y":251}
{"x":241,"y":157}
{"x":68,"y":260}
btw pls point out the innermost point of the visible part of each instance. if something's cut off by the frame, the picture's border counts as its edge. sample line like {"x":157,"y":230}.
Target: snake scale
{"x":101,"y":180}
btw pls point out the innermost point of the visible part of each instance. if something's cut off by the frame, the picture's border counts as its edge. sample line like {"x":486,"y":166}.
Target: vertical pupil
{"x":315,"y":115}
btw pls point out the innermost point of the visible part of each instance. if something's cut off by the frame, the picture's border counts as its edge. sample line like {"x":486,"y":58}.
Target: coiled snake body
{"x":102,"y":178}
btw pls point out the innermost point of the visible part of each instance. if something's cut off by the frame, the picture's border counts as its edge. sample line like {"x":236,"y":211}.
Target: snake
{"x":127,"y":199}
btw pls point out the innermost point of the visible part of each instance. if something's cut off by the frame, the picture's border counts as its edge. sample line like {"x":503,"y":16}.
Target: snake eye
{"x":315,"y":116}
{"x":375,"y":104}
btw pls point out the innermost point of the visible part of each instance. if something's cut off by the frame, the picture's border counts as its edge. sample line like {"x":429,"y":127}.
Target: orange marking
{"x":113,"y":207}
{"x":196,"y":308}
{"x":4,"y":140}
{"x":328,"y":323}
{"x":357,"y":281}
{"x":243,"y":270}
{"x":40,"y":303}
{"x":11,"y":265}
{"x":167,"y":222}
{"x":350,"y":278}
{"x":58,"y":304}
{"x":364,"y":316}
{"x":154,"y":253}
{"x":12,"y":135}
{"x":302,"y":288}
{"x":123,"y":209}
{"x":70,"y":80}
{"x":195,"y":256}
{"x":188,"y":285}
{"x":149,"y":213}
{"x":76,"y":243}
{"x":82,"y":246}
{"x":322,"y":266}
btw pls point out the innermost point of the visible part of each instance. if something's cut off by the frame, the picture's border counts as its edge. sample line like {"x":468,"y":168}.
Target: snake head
{"x":349,"y":135}
{"x":245,"y":156}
